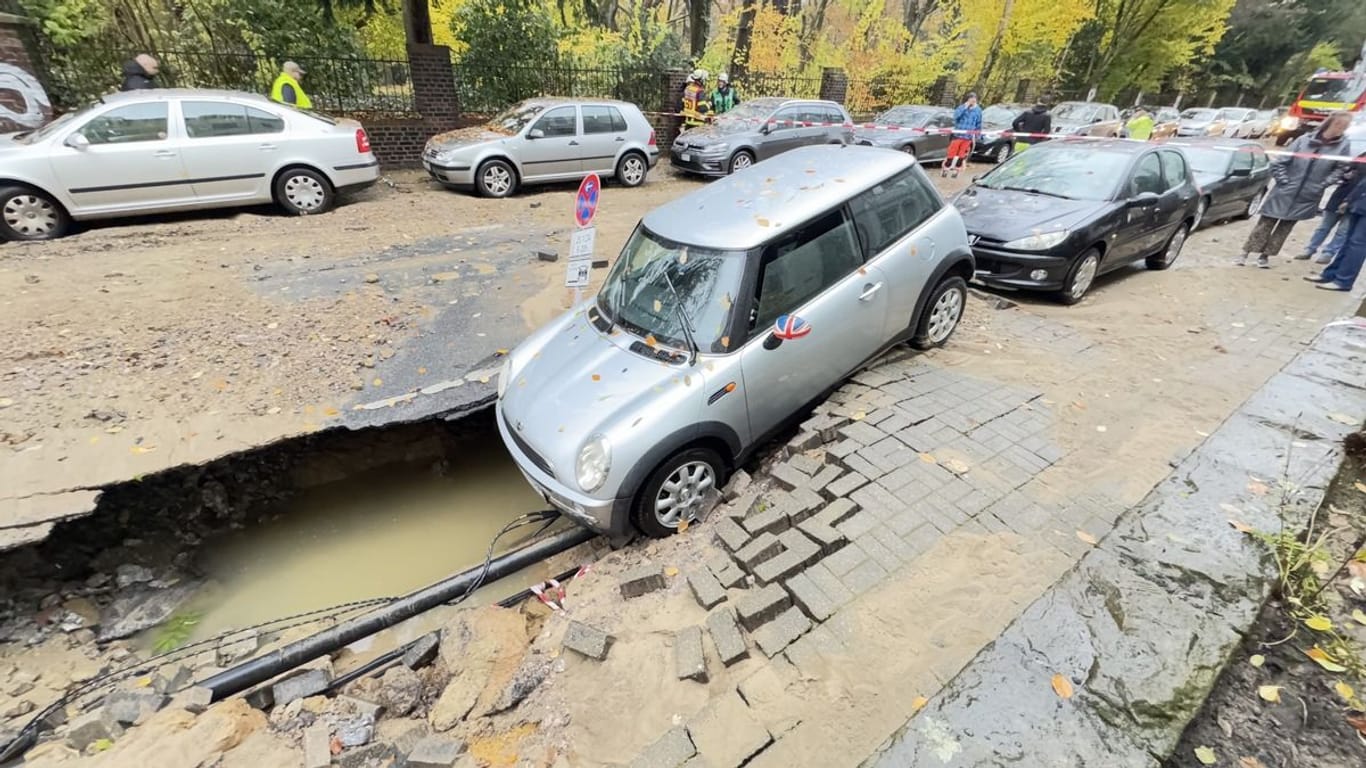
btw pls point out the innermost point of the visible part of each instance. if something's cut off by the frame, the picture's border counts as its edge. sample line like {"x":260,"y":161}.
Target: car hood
{"x":1006,"y":215}
{"x":719,"y":131}
{"x":466,"y":137}
{"x":572,"y":381}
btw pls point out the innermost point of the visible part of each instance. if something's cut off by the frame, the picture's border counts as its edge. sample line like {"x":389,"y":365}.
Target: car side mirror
{"x":1241,"y":172}
{"x":535,"y":133}
{"x":1143,"y":200}
{"x":77,"y":141}
{"x":772,"y":341}
{"x":766,"y":129}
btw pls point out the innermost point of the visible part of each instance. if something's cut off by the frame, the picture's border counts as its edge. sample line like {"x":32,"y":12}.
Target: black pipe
{"x":261,"y":669}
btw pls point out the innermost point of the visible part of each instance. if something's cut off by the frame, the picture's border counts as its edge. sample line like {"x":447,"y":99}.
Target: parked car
{"x":545,"y":140}
{"x":1261,"y":123}
{"x":1086,"y":118}
{"x":1283,"y":127}
{"x":1166,"y":121}
{"x":162,"y":150}
{"x":918,"y":130}
{"x":1356,"y":134}
{"x":705,"y":340}
{"x":1239,"y":122}
{"x":1202,"y":121}
{"x":1056,"y":217}
{"x":1231,"y":174}
{"x":995,"y":144}
{"x":757,"y":130}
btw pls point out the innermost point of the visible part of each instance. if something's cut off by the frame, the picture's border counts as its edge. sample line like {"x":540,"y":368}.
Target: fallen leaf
{"x":1062,"y":686}
{"x":1079,"y":405}
{"x":682,"y":526}
{"x":143,"y":448}
{"x":1256,"y":660}
{"x":1359,"y":616}
{"x":672,"y":571}
{"x":956,"y":466}
{"x":928,"y":458}
{"x":597,"y":377}
{"x":1358,"y":722}
{"x":1271,"y":693}
{"x":1250,"y":762}
{"x":143,"y":682}
{"x":1360,"y":486}
{"x":860,"y":416}
{"x":761,"y":221}
{"x":1322,"y":658}
{"x":1258,"y":487}
{"x":1206,"y":756}
{"x":1240,"y":526}
{"x":1101,"y":428}
{"x":651,"y":341}
{"x":1319,"y":623}
{"x":102,"y":745}
{"x":725,"y":342}
{"x":918,"y":703}
{"x":500,"y":351}
{"x":1344,"y":690}
{"x":1086,"y":537}
{"x":1358,"y":586}
{"x":329,"y":411}
{"x":1343,"y":418}
{"x":421,"y":371}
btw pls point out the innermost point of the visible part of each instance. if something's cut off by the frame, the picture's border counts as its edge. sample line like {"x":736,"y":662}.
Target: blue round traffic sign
{"x":586,"y":202}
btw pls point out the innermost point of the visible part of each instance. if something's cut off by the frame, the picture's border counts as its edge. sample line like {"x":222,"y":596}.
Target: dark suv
{"x":757,"y":130}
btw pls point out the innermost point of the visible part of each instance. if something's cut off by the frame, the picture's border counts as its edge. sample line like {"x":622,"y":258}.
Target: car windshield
{"x":906,"y":117}
{"x":1198,"y":114}
{"x":1237,"y":114}
{"x":1078,"y":112}
{"x":999,"y":115}
{"x":1078,"y":172}
{"x":1208,"y":159}
{"x":637,"y":294}
{"x":1334,"y":89}
{"x":515,"y":118}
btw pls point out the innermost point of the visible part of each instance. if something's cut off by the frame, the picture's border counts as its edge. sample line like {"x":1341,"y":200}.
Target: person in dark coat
{"x":139,"y":73}
{"x":1301,"y":180}
{"x":1342,"y":271}
{"x":1037,"y":120}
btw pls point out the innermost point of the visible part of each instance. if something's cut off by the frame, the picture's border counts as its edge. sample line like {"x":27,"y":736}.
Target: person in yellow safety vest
{"x":695,"y":106}
{"x":1140,"y":126}
{"x":287,"y":90}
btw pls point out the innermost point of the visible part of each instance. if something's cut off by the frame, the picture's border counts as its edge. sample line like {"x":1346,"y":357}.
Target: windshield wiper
{"x":1036,"y":191}
{"x":683,"y":316}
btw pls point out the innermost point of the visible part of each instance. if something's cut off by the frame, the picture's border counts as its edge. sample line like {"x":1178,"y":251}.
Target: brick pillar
{"x":434,"y":93}
{"x":944,"y":92}
{"x":1024,"y":91}
{"x":24,"y":101}
{"x":834,"y":85}
{"x":667,"y":123}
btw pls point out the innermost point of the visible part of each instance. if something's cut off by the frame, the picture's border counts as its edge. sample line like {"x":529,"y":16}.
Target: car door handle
{"x":267,"y":147}
{"x":620,"y":138}
{"x":163,"y":153}
{"x":869,"y":291}
{"x":573,"y":143}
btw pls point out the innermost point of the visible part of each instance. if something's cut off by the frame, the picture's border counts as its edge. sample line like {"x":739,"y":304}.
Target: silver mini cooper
{"x":729,"y":312}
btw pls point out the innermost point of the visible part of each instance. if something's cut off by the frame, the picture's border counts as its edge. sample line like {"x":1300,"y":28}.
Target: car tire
{"x":1171,"y":251}
{"x":909,"y":149}
{"x":29,"y":214}
{"x":304,"y":191}
{"x":1080,"y":277}
{"x":942,"y":313}
{"x":1201,"y":208}
{"x":632,"y":170}
{"x":496,"y":178}
{"x":699,"y":470}
{"x":1003,"y":152}
{"x":1253,"y":205}
{"x":740,"y":161}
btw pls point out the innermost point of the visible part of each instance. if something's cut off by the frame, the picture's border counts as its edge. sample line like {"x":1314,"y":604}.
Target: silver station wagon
{"x":162,"y":150}
{"x":545,"y":140}
{"x":727,"y":314}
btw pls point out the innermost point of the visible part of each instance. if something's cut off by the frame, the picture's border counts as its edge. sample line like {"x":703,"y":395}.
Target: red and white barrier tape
{"x":552,"y":593}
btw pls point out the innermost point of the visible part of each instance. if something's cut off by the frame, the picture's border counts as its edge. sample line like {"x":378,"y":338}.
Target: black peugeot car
{"x":1059,"y":215}
{"x":1231,"y":174}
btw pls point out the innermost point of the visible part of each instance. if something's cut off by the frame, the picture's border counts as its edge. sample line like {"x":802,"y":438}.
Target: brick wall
{"x":668,"y":124}
{"x":398,"y":141}
{"x":24,"y":102}
{"x":834,"y":85}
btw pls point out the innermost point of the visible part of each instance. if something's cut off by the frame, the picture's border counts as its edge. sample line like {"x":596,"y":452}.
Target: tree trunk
{"x":699,"y":12}
{"x":812,"y":25}
{"x":994,"y":50}
{"x":739,"y":61}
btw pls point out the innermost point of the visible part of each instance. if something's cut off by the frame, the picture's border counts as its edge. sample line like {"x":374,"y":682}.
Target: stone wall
{"x":398,"y":141}
{"x":24,"y":102}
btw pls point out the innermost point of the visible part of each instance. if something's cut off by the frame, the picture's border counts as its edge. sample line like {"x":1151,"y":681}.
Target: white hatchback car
{"x":163,"y":150}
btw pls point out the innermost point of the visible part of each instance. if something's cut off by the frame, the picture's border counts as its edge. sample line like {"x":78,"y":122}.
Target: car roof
{"x":1214,"y":142}
{"x":1083,"y":103}
{"x":764,"y":201}
{"x":919,"y":107}
{"x":555,"y":101}
{"x":773,"y":102}
{"x":161,"y":94}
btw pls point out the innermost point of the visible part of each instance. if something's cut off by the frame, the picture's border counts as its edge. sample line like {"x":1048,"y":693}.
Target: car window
{"x":125,"y":125}
{"x":1259,"y":159}
{"x":785,"y":118}
{"x":1147,"y":177}
{"x":261,"y":121}
{"x":834,"y":117}
{"x":1243,"y":158}
{"x":1173,"y":170}
{"x":885,"y":213}
{"x":797,"y":268}
{"x":208,"y":119}
{"x":602,"y":120}
{"x":559,"y":121}
{"x":944,"y":121}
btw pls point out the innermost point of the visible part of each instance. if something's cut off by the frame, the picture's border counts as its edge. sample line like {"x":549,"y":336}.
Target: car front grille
{"x":530,"y":452}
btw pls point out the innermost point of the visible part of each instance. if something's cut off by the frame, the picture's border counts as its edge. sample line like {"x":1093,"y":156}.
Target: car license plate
{"x":685,"y":157}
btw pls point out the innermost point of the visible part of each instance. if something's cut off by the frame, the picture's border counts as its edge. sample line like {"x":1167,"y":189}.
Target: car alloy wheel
{"x":1174,"y":246}
{"x":1200,"y":209}
{"x":305,"y":193}
{"x":31,"y":216}
{"x":632,"y":171}
{"x":741,"y":161}
{"x":1003,"y":152}
{"x":497,"y":180}
{"x":683,"y":493}
{"x":1255,"y":204}
{"x":1084,"y":276}
{"x":944,"y":316}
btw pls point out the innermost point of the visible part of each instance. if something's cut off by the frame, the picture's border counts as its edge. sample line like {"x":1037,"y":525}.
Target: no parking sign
{"x":581,"y":244}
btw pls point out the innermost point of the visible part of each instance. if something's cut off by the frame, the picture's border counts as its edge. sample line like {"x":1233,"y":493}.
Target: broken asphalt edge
{"x":1145,"y":622}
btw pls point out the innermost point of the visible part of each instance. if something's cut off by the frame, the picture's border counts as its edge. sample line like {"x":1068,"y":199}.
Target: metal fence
{"x":756,"y":84}
{"x":488,"y":91}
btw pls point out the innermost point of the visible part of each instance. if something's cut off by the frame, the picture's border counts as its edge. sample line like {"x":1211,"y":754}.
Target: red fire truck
{"x":1325,"y":92}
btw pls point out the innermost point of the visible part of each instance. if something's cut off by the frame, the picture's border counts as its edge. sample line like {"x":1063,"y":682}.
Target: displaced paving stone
{"x":689,"y":661}
{"x":301,"y":685}
{"x":861,"y":432}
{"x":771,"y":517}
{"x":798,"y":552}
{"x":90,"y":728}
{"x":377,"y":754}
{"x":801,"y":504}
{"x":706,"y":588}
{"x":240,"y":647}
{"x":262,"y":698}
{"x":827,"y":538}
{"x":671,"y":751}
{"x":423,"y":651}
{"x":732,"y":536}
{"x":738,"y":484}
{"x":776,"y":635}
{"x":803,"y":441}
{"x":764,"y":546}
{"x":823,"y":478}
{"x":642,"y":581}
{"x":171,"y":679}
{"x":361,"y":707}
{"x":317,"y":745}
{"x":725,"y":635}
{"x":194,"y":699}
{"x":355,"y":731}
{"x":726,"y":571}
{"x":726,"y":733}
{"x":759,"y":606}
{"x":127,"y":707}
{"x":836,"y":512}
{"x":588,"y":641}
{"x":805,"y":464}
{"x":809,"y":597}
{"x":788,"y":475}
{"x":435,"y":752}
{"x":829,"y":584}
{"x":400,"y":691}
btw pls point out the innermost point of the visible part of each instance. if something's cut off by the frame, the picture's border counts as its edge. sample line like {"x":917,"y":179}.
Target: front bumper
{"x":609,"y":516}
{"x":454,"y":174}
{"x":1011,"y":269}
{"x":702,"y":164}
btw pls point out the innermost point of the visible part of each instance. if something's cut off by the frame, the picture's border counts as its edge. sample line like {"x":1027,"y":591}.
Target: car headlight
{"x":1039,"y":242}
{"x":504,"y":374}
{"x":595,"y":458}
{"x":1290,"y":123}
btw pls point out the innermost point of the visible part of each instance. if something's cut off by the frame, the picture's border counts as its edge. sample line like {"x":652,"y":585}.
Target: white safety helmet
{"x":723,"y":78}
{"x":699,"y":75}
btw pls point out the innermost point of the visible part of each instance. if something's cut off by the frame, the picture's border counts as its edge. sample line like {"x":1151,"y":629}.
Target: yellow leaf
{"x":501,"y":352}
{"x":650,"y":340}
{"x":725,"y":342}
{"x":1086,"y":537}
{"x":1359,"y":616}
{"x":1062,"y":686}
{"x":761,"y":221}
{"x":671,"y":571}
{"x":1322,"y":658}
{"x":143,"y":448}
{"x":1344,"y":690}
{"x":329,"y":411}
{"x":1319,"y":623}
{"x":1206,"y":756}
{"x":378,"y":382}
{"x":1256,"y":660}
{"x":1360,"y":486}
{"x":597,"y":377}
{"x":1240,"y":526}
{"x":421,"y":371}
{"x":918,"y":703}
{"x":1270,"y":693}
{"x":143,"y":682}
{"x":928,"y":458}
{"x":860,"y":416}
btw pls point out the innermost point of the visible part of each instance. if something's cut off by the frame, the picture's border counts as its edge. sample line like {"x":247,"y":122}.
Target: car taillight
{"x":362,"y":141}
{"x":652,"y":138}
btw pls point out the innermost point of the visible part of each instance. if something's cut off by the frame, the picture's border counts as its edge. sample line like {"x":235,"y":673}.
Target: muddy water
{"x":384,"y":532}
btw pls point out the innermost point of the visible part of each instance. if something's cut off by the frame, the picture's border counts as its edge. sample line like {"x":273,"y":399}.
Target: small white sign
{"x":576,"y":276}
{"x":581,"y":244}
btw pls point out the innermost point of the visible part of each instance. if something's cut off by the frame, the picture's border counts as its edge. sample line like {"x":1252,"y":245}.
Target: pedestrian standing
{"x":724,"y":96}
{"x":1342,"y":272}
{"x":1334,"y":218}
{"x":967,"y":126}
{"x":139,"y":73}
{"x":1301,"y":175}
{"x":695,"y":105}
{"x":1140,"y":126}
{"x":1036,"y":124}
{"x":287,"y":89}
